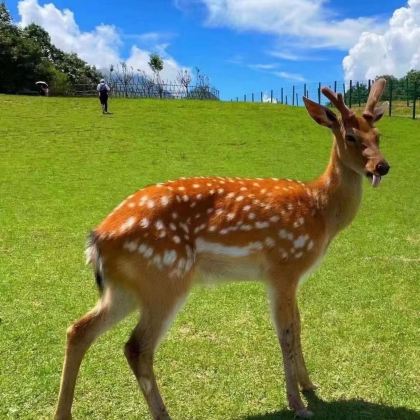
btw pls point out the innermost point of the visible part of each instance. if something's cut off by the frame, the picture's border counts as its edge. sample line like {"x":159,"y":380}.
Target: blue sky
{"x":243,"y":47}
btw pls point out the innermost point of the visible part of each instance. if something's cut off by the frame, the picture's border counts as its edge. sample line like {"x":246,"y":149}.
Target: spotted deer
{"x":151,"y":249}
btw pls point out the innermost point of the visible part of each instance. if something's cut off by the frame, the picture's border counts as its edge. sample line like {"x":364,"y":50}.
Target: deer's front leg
{"x":284,"y":314}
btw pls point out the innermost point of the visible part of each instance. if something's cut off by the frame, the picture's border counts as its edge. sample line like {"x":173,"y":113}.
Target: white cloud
{"x":307,"y":22}
{"x":101,"y":46}
{"x":394,"y":51}
{"x":290,"y":76}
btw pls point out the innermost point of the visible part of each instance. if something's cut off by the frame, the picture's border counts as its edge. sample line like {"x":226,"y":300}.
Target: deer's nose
{"x":382,"y":168}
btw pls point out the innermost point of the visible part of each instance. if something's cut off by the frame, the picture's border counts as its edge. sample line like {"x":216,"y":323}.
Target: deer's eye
{"x":350,"y":138}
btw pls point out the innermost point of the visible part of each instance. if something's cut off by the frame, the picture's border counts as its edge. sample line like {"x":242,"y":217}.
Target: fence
{"x":402,"y":95}
{"x":134,"y":89}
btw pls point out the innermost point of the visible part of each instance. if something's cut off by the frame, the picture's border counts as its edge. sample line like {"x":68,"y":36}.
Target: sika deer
{"x":147,"y":253}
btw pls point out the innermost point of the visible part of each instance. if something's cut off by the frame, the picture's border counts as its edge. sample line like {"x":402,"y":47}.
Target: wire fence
{"x":134,"y":89}
{"x":402,"y":95}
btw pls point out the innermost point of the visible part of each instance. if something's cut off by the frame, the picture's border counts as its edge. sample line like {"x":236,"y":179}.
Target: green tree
{"x":156,"y":64}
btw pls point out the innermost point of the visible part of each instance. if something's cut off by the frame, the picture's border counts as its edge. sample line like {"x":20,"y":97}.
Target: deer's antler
{"x":374,"y":96}
{"x":338,"y":101}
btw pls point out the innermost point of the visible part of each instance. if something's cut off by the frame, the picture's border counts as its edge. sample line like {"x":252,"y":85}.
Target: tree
{"x":156,"y":64}
{"x":184,"y":78}
{"x":5,"y":18}
{"x":27,"y":55}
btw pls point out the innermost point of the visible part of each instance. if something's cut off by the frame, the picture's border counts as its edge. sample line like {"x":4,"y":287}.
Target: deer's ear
{"x":321,"y":114}
{"x":379,"y":112}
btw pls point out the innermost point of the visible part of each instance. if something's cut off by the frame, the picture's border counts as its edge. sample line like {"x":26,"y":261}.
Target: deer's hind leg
{"x":158,"y":310}
{"x":113,"y":306}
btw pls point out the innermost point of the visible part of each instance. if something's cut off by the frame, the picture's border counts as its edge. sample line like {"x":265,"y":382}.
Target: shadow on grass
{"x":343,"y":409}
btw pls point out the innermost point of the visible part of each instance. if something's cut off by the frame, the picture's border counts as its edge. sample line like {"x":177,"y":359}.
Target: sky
{"x":243,"y":46}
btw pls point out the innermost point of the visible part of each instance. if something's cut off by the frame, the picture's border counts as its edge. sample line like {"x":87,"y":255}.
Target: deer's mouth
{"x":375,"y":179}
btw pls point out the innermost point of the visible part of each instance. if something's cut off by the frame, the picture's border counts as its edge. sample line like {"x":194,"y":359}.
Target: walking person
{"x":103,"y":90}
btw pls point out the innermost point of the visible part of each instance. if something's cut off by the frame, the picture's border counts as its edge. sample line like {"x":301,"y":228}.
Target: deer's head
{"x":357,"y":138}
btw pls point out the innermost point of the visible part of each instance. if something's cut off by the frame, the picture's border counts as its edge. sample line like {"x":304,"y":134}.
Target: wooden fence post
{"x":261,"y":96}
{"x":271,"y":96}
{"x":293,"y":95}
{"x":414,"y":99}
{"x":319,"y":92}
{"x":282,"y":96}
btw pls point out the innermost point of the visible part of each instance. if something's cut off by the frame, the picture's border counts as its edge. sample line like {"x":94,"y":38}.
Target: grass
{"x":64,"y":166}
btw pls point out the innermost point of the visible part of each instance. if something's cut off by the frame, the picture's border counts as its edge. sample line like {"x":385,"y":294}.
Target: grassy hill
{"x":64,"y":166}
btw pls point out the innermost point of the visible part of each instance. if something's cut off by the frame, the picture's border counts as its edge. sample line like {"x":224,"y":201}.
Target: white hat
{"x":102,"y":80}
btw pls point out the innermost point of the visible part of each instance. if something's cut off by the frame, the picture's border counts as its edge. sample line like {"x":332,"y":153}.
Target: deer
{"x":155,"y":245}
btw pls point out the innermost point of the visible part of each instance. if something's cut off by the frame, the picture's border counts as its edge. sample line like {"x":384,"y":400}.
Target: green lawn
{"x":64,"y":166}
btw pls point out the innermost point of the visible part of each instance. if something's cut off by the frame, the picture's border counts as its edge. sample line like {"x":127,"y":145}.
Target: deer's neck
{"x":340,"y":192}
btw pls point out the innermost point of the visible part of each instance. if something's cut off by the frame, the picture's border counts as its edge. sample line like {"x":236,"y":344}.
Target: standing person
{"x":103,"y":90}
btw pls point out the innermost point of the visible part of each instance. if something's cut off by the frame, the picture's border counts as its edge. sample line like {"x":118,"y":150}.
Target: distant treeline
{"x":27,"y":56}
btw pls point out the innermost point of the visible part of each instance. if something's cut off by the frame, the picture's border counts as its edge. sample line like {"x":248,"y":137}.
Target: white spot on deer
{"x":261,"y":225}
{"x":220,"y":190}
{"x":131,"y":205}
{"x":255,"y":184}
{"x":174,"y":215}
{"x":310,"y":245}
{"x":230,"y":195}
{"x":185,"y":198}
{"x":148,"y":253}
{"x":164,"y":200}
{"x":142,"y":249}
{"x":143,"y":200}
{"x":128,"y":224}
{"x":181,"y":188}
{"x":200,"y":228}
{"x":144,"y":223}
{"x":196,"y":186}
{"x":240,"y":198}
{"x":299,"y":222}
{"x":246,"y":208}
{"x":298,"y":255}
{"x":193,"y":204}
{"x":230,"y":216}
{"x":199,"y":196}
{"x":300,"y":241}
{"x":176,"y":239}
{"x":223,"y":231}
{"x":162,"y":233}
{"x":251,"y":216}
{"x":212,"y":228}
{"x":169,"y":257}
{"x":274,"y":219}
{"x":172,"y":226}
{"x":243,"y":189}
{"x":159,"y":225}
{"x":283,"y":233}
{"x":131,"y":246}
{"x":270,"y":242}
{"x":245,"y":228}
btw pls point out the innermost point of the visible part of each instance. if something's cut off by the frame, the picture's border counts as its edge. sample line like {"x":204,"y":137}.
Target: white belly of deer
{"x":216,"y":262}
